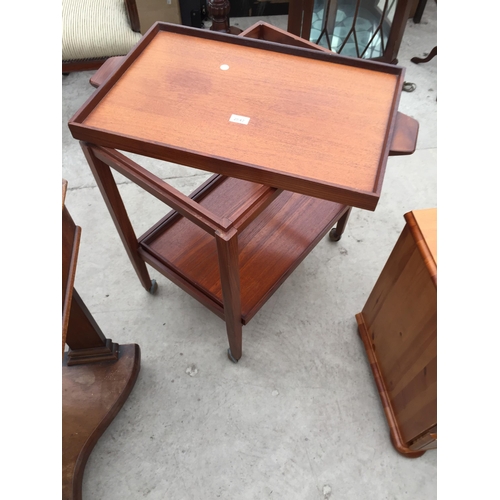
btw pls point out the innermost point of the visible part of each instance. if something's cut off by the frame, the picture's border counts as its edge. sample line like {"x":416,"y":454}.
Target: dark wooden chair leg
{"x":336,"y":233}
{"x":227,"y":250}
{"x":97,"y":375}
{"x":114,"y":202}
{"x":431,"y":55}
{"x":419,"y":12}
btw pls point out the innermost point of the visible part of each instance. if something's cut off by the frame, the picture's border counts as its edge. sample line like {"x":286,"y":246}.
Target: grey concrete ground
{"x":299,"y":417}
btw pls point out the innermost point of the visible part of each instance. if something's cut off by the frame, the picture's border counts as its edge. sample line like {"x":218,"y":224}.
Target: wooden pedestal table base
{"x":92,"y":396}
{"x":97,"y":374}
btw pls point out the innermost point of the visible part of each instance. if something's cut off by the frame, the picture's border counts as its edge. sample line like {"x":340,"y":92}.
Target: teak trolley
{"x":295,"y":135}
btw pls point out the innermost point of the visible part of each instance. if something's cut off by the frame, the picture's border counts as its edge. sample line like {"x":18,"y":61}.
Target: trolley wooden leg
{"x":342,"y":223}
{"x":114,"y":202}
{"x":227,"y":249}
{"x":338,"y":230}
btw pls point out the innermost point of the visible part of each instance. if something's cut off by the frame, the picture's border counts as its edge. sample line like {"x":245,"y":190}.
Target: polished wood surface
{"x":86,"y":341}
{"x":260,"y":30}
{"x":236,"y":238}
{"x":97,"y":374}
{"x":404,"y":140}
{"x":80,"y":332}
{"x":218,"y":11}
{"x":133,"y":15}
{"x":105,"y":71}
{"x":301,"y":105}
{"x":424,"y":229}
{"x":92,"y":396}
{"x":266,"y":31}
{"x":105,"y":181}
{"x":300,"y":13}
{"x":269,"y":248}
{"x":70,"y":245}
{"x":85,"y":65}
{"x":398,"y":326}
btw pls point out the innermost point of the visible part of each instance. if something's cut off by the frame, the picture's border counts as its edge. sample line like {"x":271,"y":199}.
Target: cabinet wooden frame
{"x":398,"y":327}
{"x":300,"y":21}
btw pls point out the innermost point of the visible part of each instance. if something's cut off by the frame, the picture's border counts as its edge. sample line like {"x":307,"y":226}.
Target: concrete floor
{"x":299,"y":417}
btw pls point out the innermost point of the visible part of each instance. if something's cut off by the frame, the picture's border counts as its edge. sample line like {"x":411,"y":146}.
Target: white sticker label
{"x":239,"y":119}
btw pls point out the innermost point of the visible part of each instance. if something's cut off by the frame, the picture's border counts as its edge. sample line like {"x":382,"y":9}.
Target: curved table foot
{"x":93,"y":394}
{"x":431,"y":55}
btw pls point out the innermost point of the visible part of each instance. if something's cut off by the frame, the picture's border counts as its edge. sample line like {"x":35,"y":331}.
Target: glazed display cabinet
{"x":367,"y":29}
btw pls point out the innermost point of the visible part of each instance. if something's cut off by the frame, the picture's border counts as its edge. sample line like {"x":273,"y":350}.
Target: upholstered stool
{"x":94,"y":30}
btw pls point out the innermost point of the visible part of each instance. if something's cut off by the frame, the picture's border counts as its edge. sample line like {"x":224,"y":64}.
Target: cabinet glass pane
{"x":354,"y":28}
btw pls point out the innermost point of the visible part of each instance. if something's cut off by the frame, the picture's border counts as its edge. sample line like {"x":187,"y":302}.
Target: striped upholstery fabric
{"x":93,"y":29}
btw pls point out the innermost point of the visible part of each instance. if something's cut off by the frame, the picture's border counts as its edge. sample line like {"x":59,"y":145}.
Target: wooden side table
{"x":398,"y":326}
{"x":97,"y":374}
{"x":251,"y":111}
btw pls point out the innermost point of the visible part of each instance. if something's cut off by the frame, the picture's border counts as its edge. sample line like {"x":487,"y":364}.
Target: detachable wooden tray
{"x":270,"y":247}
{"x":319,"y":124}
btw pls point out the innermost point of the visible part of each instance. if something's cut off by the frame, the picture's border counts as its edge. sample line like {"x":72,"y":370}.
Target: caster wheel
{"x":230,"y":356}
{"x":333,"y":235}
{"x":154,"y":287}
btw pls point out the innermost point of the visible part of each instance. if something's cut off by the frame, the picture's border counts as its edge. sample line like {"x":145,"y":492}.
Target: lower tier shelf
{"x":270,"y":247}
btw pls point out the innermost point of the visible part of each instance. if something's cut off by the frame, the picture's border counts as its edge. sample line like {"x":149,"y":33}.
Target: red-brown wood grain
{"x":316,"y":143}
{"x":106,"y":70}
{"x":398,"y":325}
{"x":109,"y":190}
{"x":229,"y":273}
{"x":97,"y":374}
{"x":404,"y":140}
{"x":70,"y":245}
{"x":423,"y":227}
{"x":270,"y":247}
{"x":92,"y":395}
{"x":133,"y":15}
{"x":313,"y":126}
{"x":266,"y":31}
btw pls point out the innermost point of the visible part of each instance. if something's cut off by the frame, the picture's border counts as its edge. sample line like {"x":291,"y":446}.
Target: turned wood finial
{"x":218,"y":11}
